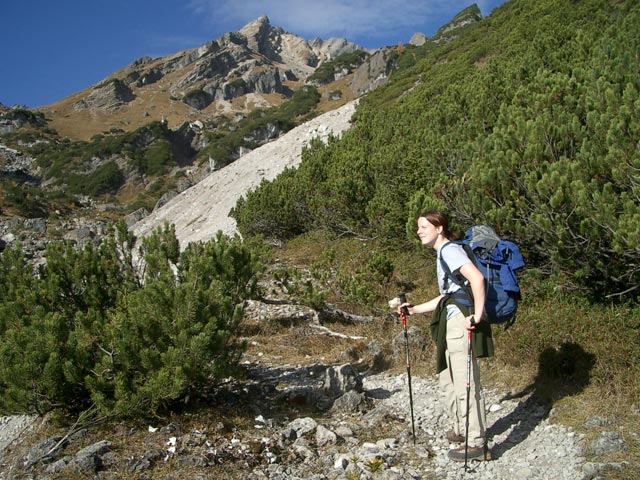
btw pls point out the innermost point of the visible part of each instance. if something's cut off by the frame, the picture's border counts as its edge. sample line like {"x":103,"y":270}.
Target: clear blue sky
{"x":50,"y":49}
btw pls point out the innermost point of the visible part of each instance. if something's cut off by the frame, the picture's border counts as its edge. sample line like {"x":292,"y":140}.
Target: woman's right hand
{"x":406,"y":305}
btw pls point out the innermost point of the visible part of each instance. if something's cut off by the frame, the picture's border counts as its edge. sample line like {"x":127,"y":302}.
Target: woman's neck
{"x":441,"y":240}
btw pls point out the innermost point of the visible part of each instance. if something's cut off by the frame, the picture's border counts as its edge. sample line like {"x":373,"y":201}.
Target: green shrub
{"x":326,"y":71}
{"x":528,"y":122}
{"x":25,"y":200}
{"x":88,"y":329}
{"x":157,"y":158}
{"x":107,"y":178}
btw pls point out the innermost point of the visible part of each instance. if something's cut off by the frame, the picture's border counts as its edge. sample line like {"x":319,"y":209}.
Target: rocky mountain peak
{"x":257,"y":23}
{"x":262,"y":37}
{"x":281,"y":46}
{"x":258,"y":65}
{"x":257,"y":27}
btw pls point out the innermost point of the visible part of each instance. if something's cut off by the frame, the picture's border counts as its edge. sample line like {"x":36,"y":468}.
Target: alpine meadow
{"x":528,"y":121}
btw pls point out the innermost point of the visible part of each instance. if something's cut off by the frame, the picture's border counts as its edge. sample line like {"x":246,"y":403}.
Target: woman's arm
{"x":425,"y":307}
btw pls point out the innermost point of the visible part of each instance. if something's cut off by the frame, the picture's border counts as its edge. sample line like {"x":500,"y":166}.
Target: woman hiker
{"x":449,"y":327}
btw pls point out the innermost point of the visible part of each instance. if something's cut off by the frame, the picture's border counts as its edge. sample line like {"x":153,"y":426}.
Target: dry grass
{"x":299,"y":345}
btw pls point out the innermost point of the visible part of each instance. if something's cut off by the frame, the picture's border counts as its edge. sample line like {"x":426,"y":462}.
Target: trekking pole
{"x":466,"y":427}
{"x":404,"y":312}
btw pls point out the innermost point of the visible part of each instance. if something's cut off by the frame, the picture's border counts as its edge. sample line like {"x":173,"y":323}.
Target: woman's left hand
{"x":470,"y":322}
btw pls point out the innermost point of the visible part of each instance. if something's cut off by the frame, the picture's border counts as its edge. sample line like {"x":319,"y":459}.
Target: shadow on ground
{"x":562,"y":372}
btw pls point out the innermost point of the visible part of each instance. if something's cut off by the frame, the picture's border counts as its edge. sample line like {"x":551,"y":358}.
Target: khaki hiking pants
{"x":453,"y":383}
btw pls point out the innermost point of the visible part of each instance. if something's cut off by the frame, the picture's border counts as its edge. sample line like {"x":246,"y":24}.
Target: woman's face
{"x":427,"y":232}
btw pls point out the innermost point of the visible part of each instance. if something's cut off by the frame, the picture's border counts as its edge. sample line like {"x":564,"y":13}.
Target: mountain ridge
{"x":260,"y":65}
{"x":257,"y":66}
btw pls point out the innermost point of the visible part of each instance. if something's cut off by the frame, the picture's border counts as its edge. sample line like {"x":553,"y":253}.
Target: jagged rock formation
{"x":258,"y":58}
{"x":373,"y":73}
{"x":109,"y":96}
{"x":12,"y":119}
{"x":14,"y":164}
{"x":448,"y":32}
{"x":418,"y":39}
{"x":259,"y":65}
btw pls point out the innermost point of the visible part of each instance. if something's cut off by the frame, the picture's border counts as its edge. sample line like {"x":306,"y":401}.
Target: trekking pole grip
{"x":403,"y":299}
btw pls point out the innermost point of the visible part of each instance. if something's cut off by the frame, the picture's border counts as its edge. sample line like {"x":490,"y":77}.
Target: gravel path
{"x":525,"y":445}
{"x":11,"y":427}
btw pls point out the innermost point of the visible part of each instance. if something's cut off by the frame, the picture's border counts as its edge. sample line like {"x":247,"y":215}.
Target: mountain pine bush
{"x":527,"y":120}
{"x":89,"y":328}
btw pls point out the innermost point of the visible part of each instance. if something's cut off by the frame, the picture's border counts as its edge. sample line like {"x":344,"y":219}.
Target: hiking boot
{"x":473,"y":453}
{"x":454,"y":437}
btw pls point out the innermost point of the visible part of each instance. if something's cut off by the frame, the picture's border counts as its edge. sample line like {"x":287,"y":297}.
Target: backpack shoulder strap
{"x":456,"y":276}
{"x":445,"y":268}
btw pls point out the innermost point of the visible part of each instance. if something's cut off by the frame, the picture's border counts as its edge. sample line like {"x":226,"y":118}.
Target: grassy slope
{"x":154,"y":102}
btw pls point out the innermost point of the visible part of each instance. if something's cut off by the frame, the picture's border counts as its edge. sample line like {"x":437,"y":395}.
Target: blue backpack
{"x":498,"y":260}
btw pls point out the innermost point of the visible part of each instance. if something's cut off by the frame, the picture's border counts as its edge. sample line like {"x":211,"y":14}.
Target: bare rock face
{"x":152,"y":76}
{"x":418,"y":39}
{"x":109,"y":96}
{"x":332,"y":47}
{"x":373,"y":73}
{"x":264,"y":81}
{"x":298,"y":53}
{"x":449,"y":31}
{"x":198,"y":99}
{"x":15,"y":164}
{"x":263,"y":38}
